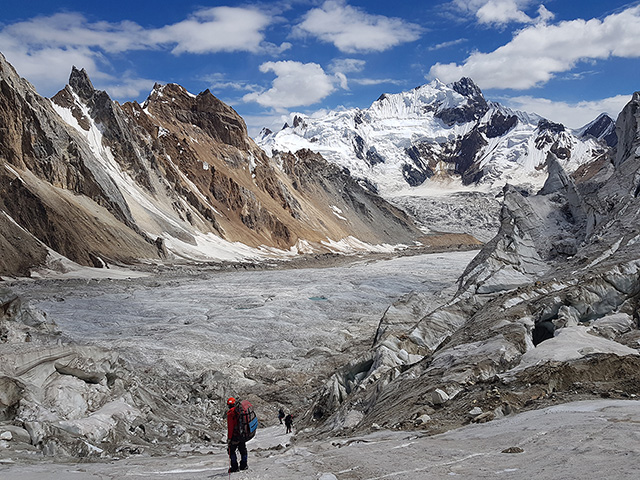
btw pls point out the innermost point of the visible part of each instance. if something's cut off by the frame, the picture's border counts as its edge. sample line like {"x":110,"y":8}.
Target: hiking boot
{"x":234,"y":469}
{"x":243,"y":466}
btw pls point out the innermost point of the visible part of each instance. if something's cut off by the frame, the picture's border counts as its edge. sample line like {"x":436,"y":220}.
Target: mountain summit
{"x":437,"y":132}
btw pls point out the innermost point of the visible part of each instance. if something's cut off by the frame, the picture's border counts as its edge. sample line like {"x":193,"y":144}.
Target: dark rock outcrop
{"x":603,"y":128}
{"x":473,"y":109}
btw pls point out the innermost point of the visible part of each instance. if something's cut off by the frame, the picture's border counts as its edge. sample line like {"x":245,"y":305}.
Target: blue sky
{"x":565,"y":60}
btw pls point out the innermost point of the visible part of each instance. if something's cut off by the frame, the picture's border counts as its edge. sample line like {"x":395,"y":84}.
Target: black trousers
{"x":242,"y":448}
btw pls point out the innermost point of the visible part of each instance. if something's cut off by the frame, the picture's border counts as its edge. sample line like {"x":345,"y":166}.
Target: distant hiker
{"x":234,"y":439}
{"x":288,"y":422}
{"x":281,"y":415}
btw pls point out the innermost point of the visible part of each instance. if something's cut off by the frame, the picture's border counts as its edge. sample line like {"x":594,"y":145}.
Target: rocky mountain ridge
{"x":99,"y":182}
{"x":438,"y":132}
{"x":547,"y":312}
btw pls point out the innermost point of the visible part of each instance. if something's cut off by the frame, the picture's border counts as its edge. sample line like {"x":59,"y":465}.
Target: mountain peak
{"x":205,"y":110}
{"x":81,"y":84}
{"x":602,"y":128}
{"x":436,"y":130}
{"x":476,"y":105}
{"x":467,"y":87}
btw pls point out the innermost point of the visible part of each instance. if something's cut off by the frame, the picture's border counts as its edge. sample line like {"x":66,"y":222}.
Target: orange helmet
{"x":231,"y":401}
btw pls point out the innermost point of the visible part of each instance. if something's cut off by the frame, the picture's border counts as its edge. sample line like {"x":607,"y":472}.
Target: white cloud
{"x":340,"y":66}
{"x":376,"y":81}
{"x":544,"y":15}
{"x":342,"y":79}
{"x":72,"y":30}
{"x":447,"y":44}
{"x":128,"y":87}
{"x":43,"y":49}
{"x":501,"y":12}
{"x":538,"y":52}
{"x":573,"y":115}
{"x":352,"y":30}
{"x":347,"y":65}
{"x":296,"y":84}
{"x":49,"y":68}
{"x":218,"y":29}
{"x":219,"y":81}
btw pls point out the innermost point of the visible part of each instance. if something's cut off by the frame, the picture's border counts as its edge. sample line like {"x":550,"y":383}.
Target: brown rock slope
{"x":100,"y":182}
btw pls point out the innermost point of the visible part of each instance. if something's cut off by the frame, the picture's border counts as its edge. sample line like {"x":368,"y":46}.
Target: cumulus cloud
{"x":352,"y":30}
{"x":44,"y":48}
{"x":501,"y":12}
{"x":544,"y":15}
{"x":538,"y":52}
{"x":218,"y":29}
{"x":296,"y":84}
{"x":573,"y":115}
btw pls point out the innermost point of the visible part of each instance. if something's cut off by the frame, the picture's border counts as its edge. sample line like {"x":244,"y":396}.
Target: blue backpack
{"x":247,"y":421}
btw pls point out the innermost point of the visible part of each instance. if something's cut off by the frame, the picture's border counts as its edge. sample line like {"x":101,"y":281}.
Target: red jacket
{"x":232,"y":420}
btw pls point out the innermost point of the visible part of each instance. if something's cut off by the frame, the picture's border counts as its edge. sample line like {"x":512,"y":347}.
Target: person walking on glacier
{"x":281,"y":415}
{"x":234,"y":439}
{"x":288,"y":422}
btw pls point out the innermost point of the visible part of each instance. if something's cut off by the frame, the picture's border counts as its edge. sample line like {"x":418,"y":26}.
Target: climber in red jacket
{"x":234,"y":442}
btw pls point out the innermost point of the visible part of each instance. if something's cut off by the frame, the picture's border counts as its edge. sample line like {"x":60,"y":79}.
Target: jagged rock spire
{"x":81,"y":83}
{"x":627,"y":129}
{"x":467,"y":87}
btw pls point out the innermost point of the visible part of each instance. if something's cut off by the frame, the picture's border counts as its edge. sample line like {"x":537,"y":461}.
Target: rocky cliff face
{"x":100,"y":182}
{"x":54,"y":189}
{"x":441,"y":132}
{"x":546,"y":313}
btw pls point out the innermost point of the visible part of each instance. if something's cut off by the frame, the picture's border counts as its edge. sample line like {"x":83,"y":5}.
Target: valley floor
{"x":282,"y":333}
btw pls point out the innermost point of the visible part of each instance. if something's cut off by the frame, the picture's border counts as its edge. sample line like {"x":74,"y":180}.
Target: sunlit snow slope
{"x":436,"y":133}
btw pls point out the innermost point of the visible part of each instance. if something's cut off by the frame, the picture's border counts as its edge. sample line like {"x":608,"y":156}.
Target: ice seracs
{"x":546,"y":312}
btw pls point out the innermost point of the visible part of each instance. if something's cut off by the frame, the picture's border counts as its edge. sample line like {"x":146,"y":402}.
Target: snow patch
{"x":570,"y":343}
{"x":338,"y":212}
{"x":351,"y":244}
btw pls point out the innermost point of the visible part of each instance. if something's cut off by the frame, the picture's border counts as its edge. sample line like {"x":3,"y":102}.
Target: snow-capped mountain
{"x":97,"y":182}
{"x":437,"y":132}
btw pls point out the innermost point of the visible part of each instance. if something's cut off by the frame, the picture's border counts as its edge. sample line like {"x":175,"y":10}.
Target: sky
{"x":565,"y":60}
